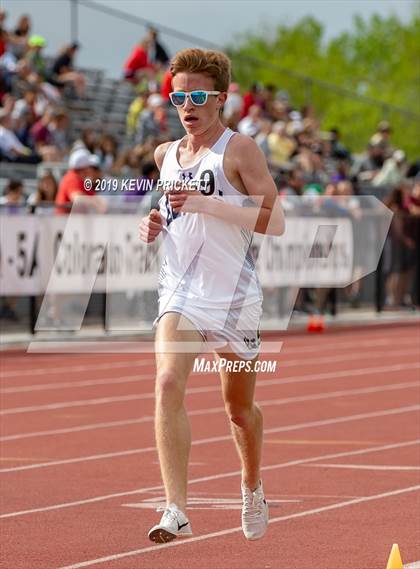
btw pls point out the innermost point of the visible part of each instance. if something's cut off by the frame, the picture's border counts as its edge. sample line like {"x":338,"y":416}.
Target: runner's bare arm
{"x":245,"y":166}
{"x":249,"y":163}
{"x":160,"y":152}
{"x":151,"y":225}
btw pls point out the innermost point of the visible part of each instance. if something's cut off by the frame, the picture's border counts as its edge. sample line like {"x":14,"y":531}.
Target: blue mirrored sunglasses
{"x":198,"y":98}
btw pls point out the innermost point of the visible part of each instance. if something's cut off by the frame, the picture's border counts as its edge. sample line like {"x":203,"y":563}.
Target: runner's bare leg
{"x":172,"y":428}
{"x":246,"y":419}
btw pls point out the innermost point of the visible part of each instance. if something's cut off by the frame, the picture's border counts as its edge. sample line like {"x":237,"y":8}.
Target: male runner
{"x":208,"y":289}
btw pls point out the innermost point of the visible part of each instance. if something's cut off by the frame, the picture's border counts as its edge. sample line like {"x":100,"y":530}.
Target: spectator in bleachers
{"x":345,"y":191}
{"x":107,"y":152}
{"x":279,"y":110}
{"x":63,"y":73}
{"x":34,"y":56}
{"x":87,"y":140}
{"x":3,"y":32}
{"x":166,"y":85}
{"x":156,"y":53}
{"x":11,"y":149}
{"x":59,"y":128}
{"x":267,"y":95}
{"x":136,"y":107}
{"x":22,"y":129}
{"x":366,"y":168}
{"x":250,"y":98}
{"x":262,"y":137}
{"x":281,"y":145}
{"x":11,"y":204}
{"x":310,"y":159}
{"x":291,"y":188}
{"x":137,"y":65}
{"x":19,"y":37}
{"x":26,"y":105}
{"x":233,"y":106}
{"x":338,"y":150}
{"x":13,"y":197}
{"x":414,"y":169}
{"x":47,"y":93}
{"x":72,"y":191}
{"x":20,"y":76}
{"x":414,"y":201}
{"x":393,"y":170}
{"x":251,"y":123}
{"x":383,"y":136}
{"x":403,"y":247}
{"x":23,"y":26}
{"x":45,"y":193}
{"x":149,"y":171}
{"x":50,"y":135}
{"x":152,"y":121}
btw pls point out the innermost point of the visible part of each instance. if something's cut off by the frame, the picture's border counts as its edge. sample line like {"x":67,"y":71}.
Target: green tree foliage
{"x":378,"y":59}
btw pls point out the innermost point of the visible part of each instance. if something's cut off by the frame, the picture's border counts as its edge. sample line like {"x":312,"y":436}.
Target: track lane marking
{"x":210,"y":440}
{"x":151,"y":377}
{"x":211,"y":410}
{"x":176,"y":543}
{"x":213,"y":477}
{"x":298,"y":349}
{"x":212,"y":388}
{"x":366,"y":467}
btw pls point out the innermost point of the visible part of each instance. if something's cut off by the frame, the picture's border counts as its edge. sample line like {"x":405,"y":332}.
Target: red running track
{"x":80,"y":479}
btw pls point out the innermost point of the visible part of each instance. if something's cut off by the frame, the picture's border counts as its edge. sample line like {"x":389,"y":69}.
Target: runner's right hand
{"x":150,"y":226}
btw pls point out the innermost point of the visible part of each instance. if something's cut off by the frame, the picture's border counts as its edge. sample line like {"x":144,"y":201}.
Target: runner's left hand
{"x":188,"y":201}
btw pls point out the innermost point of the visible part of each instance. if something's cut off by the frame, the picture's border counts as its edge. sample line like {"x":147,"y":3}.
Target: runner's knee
{"x":239,"y":415}
{"x":169,"y":389}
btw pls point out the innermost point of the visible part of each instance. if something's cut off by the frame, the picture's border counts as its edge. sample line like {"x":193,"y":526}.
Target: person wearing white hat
{"x":393,"y":171}
{"x":152,"y":120}
{"x":76,"y":186}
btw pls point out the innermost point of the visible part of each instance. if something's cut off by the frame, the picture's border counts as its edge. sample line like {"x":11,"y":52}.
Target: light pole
{"x":74,"y":31}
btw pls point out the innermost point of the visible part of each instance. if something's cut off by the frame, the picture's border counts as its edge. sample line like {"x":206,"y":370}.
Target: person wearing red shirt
{"x":72,"y":189}
{"x":166,"y":85}
{"x":3,"y":33}
{"x":250,"y":98}
{"x":138,"y":62}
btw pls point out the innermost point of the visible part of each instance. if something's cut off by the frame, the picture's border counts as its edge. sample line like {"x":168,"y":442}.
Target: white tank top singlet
{"x":207,"y":261}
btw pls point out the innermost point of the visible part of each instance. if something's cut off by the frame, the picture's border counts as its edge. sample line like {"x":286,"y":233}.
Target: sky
{"x":107,"y":41}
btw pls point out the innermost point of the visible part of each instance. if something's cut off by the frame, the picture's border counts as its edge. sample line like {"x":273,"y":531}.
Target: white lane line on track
{"x":82,"y":367}
{"x":221,"y":533}
{"x":210,"y":440}
{"x":213,"y":477}
{"x":149,"y":377}
{"x":213,"y":388}
{"x":414,"y":565}
{"x":333,"y":345}
{"x":213,"y":410}
{"x":72,"y":384}
{"x":366,"y":466}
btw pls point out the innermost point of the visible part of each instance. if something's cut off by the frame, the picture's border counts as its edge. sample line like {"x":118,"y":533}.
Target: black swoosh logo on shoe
{"x":182,"y":525}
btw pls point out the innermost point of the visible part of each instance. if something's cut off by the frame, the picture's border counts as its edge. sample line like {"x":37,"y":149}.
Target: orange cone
{"x":311,"y":326}
{"x":320,"y":324}
{"x":395,"y":561}
{"x":315,"y":323}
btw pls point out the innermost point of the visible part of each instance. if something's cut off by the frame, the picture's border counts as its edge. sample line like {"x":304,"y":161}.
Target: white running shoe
{"x":173,"y":524}
{"x":254,"y":512}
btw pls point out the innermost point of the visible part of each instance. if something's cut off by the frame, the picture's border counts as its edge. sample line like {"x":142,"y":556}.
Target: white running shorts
{"x":236,"y":330}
